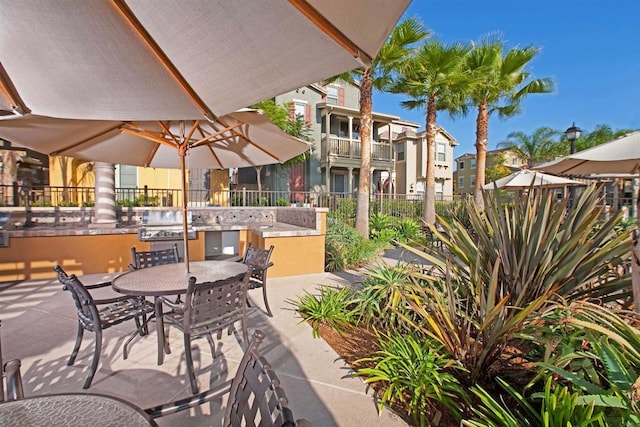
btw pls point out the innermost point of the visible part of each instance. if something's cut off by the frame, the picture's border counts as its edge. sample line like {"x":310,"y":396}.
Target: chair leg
{"x":189,"y":358}
{"x":96,"y":359}
{"x":264,"y":295}
{"x":76,"y":347}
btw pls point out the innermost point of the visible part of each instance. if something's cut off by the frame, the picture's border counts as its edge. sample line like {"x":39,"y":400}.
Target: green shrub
{"x":557,"y":406}
{"x":408,"y":229}
{"x":379,"y":222}
{"x":345,"y":248}
{"x":282,"y":201}
{"x":415,"y":373}
{"x":333,"y":307}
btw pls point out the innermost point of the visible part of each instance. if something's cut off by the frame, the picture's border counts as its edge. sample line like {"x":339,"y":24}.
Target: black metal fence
{"x":341,"y":206}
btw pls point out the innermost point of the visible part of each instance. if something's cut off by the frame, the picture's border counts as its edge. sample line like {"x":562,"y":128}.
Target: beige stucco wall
{"x":34,"y":257}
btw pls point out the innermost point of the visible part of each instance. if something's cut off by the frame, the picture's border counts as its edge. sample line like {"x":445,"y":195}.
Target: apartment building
{"x":333,"y":114}
{"x":465,"y":173}
{"x":410,"y":147}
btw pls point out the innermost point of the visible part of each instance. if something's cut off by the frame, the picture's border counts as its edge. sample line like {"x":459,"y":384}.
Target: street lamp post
{"x":573,"y":133}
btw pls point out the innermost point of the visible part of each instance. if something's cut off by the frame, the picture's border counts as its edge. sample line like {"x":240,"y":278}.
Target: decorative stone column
{"x":105,"y":209}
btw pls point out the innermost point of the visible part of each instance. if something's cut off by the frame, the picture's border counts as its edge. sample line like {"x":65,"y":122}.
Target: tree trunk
{"x":482,"y":137}
{"x":429,"y":213}
{"x":364,"y":183}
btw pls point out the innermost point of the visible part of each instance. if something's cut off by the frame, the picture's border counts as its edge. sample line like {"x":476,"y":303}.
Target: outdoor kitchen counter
{"x":277,"y":229}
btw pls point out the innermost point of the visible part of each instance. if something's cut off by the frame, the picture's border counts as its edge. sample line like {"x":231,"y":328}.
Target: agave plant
{"x":522,"y":257}
{"x":381,"y":295}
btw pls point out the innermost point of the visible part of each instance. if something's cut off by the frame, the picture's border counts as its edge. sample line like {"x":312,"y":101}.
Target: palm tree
{"x":542,"y":145}
{"x":500,"y":82}
{"x":432,"y":78}
{"x":377,"y":76}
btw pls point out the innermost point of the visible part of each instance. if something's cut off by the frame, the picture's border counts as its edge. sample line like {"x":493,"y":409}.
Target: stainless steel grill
{"x":163,"y":226}
{"x":4,"y":234}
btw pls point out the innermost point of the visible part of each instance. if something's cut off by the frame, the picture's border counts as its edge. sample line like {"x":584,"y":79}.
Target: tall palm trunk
{"x":429,"y":213}
{"x":482,"y":137}
{"x":364,"y":183}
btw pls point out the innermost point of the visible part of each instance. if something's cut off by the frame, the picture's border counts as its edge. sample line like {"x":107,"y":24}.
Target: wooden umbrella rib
{"x":86,"y":140}
{"x":332,"y":31}
{"x":151,"y":44}
{"x":208,"y":138}
{"x":11,"y":94}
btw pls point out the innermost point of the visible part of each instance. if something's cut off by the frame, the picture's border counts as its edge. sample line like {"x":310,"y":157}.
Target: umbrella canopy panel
{"x":620,"y":156}
{"x":173,"y":60}
{"x":525,"y":178}
{"x":241,"y":139}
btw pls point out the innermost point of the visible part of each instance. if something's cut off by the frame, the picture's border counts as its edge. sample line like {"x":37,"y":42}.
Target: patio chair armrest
{"x":115,"y":299}
{"x":98,"y":285}
{"x":131,"y":267}
{"x":175,"y":305}
{"x":189,"y":402}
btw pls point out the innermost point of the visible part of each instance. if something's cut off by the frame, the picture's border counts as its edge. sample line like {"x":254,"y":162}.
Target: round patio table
{"x":74,"y":409}
{"x":172,"y":279}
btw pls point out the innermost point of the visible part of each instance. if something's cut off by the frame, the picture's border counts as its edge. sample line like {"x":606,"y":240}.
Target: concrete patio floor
{"x":39,"y":327}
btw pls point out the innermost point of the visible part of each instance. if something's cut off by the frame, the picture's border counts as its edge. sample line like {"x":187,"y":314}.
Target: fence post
{"x":146,"y":195}
{"x":16,"y":199}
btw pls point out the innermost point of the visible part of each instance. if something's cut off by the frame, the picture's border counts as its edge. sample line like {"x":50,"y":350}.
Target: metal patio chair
{"x":258,"y":262}
{"x":94,"y":315}
{"x":255,"y":395}
{"x":209,"y":307}
{"x":10,"y":379}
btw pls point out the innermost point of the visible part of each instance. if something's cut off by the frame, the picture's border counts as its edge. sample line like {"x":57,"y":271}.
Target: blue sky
{"x":591,"y":48}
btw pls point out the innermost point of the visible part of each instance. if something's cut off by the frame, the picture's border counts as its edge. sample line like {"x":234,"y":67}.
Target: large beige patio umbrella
{"x":165,"y":60}
{"x":241,"y":139}
{"x":140,"y":60}
{"x":525,"y":178}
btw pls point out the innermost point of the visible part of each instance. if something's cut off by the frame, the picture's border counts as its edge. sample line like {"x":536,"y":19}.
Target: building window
{"x":441,"y":152}
{"x":460,"y":165}
{"x":332,"y":95}
{"x":473,"y":181}
{"x":460,"y":182}
{"x":514,"y":161}
{"x":473,"y":163}
{"x":300,"y":109}
{"x":400,"y":152}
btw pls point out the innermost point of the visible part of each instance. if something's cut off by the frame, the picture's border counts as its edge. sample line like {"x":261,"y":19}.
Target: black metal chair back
{"x":255,"y":397}
{"x":209,"y":307}
{"x":258,"y":262}
{"x":144,"y":259}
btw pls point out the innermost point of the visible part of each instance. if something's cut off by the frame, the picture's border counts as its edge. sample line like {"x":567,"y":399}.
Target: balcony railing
{"x":350,"y":148}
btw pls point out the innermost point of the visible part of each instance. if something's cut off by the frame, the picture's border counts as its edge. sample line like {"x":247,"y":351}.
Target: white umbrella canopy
{"x":140,"y":60}
{"x":526,"y":178}
{"x":620,"y":156}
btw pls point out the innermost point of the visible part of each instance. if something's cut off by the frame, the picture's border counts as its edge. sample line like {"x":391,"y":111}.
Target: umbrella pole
{"x":182,"y":151}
